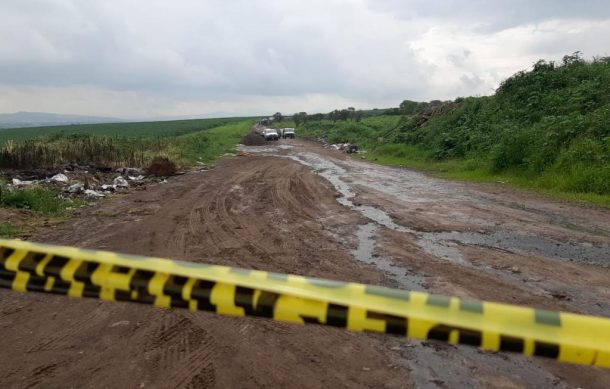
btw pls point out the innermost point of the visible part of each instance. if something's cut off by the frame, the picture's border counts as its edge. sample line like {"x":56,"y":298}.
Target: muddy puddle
{"x":365,"y":253}
{"x":588,"y":253}
{"x":408,"y":186}
{"x":444,"y":245}
{"x":432,"y":364}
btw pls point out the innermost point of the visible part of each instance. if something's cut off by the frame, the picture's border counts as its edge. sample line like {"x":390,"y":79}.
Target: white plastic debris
{"x":18,"y":183}
{"x":108,"y":188}
{"x":136,"y":178}
{"x":60,"y":178}
{"x":92,"y":194}
{"x":76,"y":188}
{"x":120,"y":182}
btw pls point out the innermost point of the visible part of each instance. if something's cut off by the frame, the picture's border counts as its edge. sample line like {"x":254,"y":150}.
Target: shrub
{"x":37,"y":199}
{"x":161,"y":167}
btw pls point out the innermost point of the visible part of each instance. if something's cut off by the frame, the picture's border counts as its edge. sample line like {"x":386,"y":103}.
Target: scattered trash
{"x":60,"y":178}
{"x":75,"y":188}
{"x":92,"y":194}
{"x":18,"y":183}
{"x":109,"y":188}
{"x":90,"y":182}
{"x":120,"y":182}
{"x":349,"y":148}
{"x":130,"y":171}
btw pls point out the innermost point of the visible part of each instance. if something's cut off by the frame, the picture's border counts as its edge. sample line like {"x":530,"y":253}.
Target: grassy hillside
{"x":546,"y":129}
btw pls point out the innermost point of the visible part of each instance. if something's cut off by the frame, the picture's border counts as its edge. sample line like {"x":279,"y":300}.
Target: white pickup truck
{"x":287,"y":133}
{"x":270,"y":134}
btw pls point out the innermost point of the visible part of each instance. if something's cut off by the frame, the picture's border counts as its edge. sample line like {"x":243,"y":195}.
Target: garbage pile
{"x":349,"y":148}
{"x":83,"y":181}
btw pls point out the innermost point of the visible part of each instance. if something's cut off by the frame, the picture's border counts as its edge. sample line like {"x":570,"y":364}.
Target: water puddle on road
{"x":431,"y":365}
{"x":442,"y":245}
{"x":530,"y":243}
{"x":333,"y":173}
{"x":365,"y":253}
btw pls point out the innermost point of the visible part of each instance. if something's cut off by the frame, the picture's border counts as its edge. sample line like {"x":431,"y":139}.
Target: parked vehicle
{"x":270,"y":134}
{"x":288,"y":133}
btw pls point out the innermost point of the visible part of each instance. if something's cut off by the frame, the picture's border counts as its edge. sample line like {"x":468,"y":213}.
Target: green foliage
{"x":9,"y":231}
{"x":408,"y":107}
{"x":369,"y":131}
{"x":551,"y":121}
{"x":86,"y":149}
{"x":36,"y":199}
{"x":202,"y":146}
{"x":207,"y":146}
{"x":548,"y":128}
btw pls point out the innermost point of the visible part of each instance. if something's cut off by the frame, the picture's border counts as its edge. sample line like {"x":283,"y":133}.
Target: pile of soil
{"x":161,"y":167}
{"x":253,"y":139}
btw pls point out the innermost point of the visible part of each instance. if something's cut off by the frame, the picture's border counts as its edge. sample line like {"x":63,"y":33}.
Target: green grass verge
{"x":207,"y":146}
{"x":548,"y":183}
{"x":579,"y":182}
{"x":37,"y":199}
{"x":9,"y":231}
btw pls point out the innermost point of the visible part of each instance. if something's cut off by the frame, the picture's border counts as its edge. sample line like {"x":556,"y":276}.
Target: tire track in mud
{"x":237,"y":214}
{"x":445,"y":252}
{"x":182,"y":351}
{"x":260,"y":213}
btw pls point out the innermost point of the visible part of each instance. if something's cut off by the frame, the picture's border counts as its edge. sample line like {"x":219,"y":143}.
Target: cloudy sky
{"x":161,"y":58}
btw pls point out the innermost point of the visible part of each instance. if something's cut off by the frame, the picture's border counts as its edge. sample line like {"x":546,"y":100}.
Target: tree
{"x":334,"y":115}
{"x":296,"y":118}
{"x":358,"y":115}
{"x":408,"y":107}
{"x":351,"y":111}
{"x":316,"y":117}
{"x":300,"y":117}
{"x":278,"y":117}
{"x":575,"y":57}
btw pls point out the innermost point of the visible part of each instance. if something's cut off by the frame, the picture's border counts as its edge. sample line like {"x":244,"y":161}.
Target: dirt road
{"x":295,"y":207}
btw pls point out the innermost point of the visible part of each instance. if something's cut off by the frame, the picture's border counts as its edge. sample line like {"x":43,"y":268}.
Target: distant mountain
{"x":36,"y":119}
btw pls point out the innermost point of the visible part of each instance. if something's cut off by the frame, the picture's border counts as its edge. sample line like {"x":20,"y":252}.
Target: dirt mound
{"x":253,"y":139}
{"x":161,"y":167}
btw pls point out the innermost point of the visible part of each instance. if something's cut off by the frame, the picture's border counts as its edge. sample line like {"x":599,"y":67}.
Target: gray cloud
{"x":150,"y":58}
{"x":495,"y":15}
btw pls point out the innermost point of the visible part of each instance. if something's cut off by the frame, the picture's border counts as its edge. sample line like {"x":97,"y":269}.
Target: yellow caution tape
{"x":567,"y":337}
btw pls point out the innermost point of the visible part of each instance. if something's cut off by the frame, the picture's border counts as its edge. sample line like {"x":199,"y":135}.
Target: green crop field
{"x":113,"y":145}
{"x":132,"y":130}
